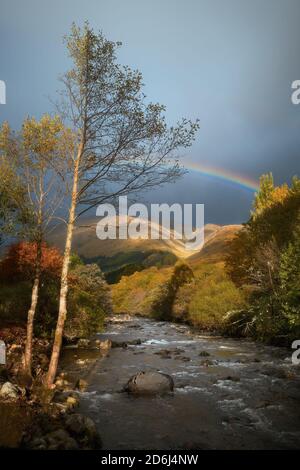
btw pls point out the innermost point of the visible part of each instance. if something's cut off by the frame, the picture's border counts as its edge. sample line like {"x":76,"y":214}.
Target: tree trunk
{"x":62,"y":312}
{"x":32,"y":310}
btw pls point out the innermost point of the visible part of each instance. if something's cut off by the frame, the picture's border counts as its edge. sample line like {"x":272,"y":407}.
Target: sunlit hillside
{"x":203,"y":301}
{"x":87,"y":245}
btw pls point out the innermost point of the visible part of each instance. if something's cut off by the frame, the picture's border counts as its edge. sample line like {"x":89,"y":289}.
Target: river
{"x":229,"y":393}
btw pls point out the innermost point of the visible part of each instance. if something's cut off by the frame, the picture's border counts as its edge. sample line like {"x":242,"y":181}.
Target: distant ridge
{"x":88,"y":246}
{"x":216,"y":244}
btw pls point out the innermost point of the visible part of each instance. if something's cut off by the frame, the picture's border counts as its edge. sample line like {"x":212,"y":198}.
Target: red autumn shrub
{"x":19,"y":262}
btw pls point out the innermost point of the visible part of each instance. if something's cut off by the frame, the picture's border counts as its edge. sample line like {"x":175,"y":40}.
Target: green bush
{"x":205,"y":301}
{"x":89,"y":301}
{"x":135,"y":294}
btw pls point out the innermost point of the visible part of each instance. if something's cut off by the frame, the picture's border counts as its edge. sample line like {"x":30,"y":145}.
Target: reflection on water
{"x":240,"y":395}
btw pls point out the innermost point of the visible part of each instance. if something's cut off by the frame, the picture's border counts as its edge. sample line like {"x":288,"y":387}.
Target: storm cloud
{"x":229,"y":62}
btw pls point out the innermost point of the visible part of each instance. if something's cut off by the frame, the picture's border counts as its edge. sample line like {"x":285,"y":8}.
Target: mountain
{"x":216,"y":244}
{"x":125,"y":257}
{"x":87,"y":245}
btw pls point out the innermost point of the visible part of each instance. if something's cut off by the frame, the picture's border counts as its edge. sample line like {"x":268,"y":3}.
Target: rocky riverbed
{"x":228,"y":394}
{"x":145,"y":384}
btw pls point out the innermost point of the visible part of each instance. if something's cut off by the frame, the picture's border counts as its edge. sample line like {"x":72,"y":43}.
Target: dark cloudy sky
{"x":229,"y":62}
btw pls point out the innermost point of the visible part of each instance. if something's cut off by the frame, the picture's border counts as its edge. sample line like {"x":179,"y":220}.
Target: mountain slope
{"x":87,"y":245}
{"x":116,"y":254}
{"x":216,"y":245}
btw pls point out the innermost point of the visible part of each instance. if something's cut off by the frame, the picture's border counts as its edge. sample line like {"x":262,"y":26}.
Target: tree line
{"x":264,"y":261}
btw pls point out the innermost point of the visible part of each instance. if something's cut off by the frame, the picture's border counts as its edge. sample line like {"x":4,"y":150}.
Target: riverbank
{"x":35,"y":418}
{"x":228,"y":393}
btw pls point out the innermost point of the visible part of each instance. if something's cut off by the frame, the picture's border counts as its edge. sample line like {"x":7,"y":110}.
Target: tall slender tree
{"x":37,"y":158}
{"x":123,"y":143}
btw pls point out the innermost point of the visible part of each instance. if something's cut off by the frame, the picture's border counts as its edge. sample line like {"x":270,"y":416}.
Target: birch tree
{"x":38,"y":158}
{"x":123,"y":142}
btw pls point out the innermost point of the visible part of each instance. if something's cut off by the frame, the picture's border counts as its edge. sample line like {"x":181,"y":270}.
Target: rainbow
{"x":224,"y":175}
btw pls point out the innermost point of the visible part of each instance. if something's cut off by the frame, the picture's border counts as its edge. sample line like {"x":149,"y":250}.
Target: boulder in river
{"x":124,"y":344}
{"x":150,"y":383}
{"x":164,"y":353}
{"x":233,"y":378}
{"x":204,"y":354}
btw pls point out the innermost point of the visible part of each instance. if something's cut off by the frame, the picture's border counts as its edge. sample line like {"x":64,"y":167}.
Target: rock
{"x":134,"y":342}
{"x":81,"y":385}
{"x":183,"y":358}
{"x":82,"y":362}
{"x":60,"y":440}
{"x":66,"y":400}
{"x":164,"y":353}
{"x":105,"y":344}
{"x":83,"y":343}
{"x":150,"y":383}
{"x":83,"y":429}
{"x":62,"y":383}
{"x":123,"y":344}
{"x":72,"y":402}
{"x":178,"y":351}
{"x":38,"y":444}
{"x":119,"y":344}
{"x":207,"y":363}
{"x":204,"y":354}
{"x":232,"y":378}
{"x":8,"y":390}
